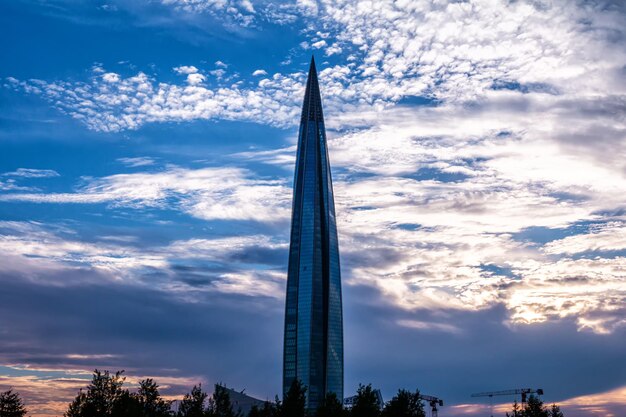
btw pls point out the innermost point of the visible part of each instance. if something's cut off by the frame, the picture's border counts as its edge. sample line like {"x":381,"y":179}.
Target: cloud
{"x":280,"y":14}
{"x":249,"y":265}
{"x":20,"y":241}
{"x":137,"y":100}
{"x":465,"y":48}
{"x":452,"y":54}
{"x":11,"y":185}
{"x":44,"y":396}
{"x":259,"y":72}
{"x":438,"y":242}
{"x":307,"y":7}
{"x":239,"y":11}
{"x":206,"y":193}
{"x":111,"y":77}
{"x":195,"y":79}
{"x":49,"y":374}
{"x":147,"y":318}
{"x":333,"y":50}
{"x":430,"y":199}
{"x":32,"y":173}
{"x":423,"y":242}
{"x":416,"y":324}
{"x":604,"y":237}
{"x":610,"y":404}
{"x":186,"y":69}
{"x":139,"y":161}
{"x":284,"y":157}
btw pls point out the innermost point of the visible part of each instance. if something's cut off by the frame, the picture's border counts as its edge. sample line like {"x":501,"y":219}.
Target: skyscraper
{"x":313,"y":345}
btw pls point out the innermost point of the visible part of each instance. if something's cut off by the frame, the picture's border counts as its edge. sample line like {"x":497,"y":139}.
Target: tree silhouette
{"x":555,"y":411}
{"x":330,"y":407}
{"x":150,"y":401}
{"x":404,"y":404}
{"x":11,"y":404}
{"x":76,"y":407}
{"x":535,"y":408}
{"x":105,"y":397}
{"x":126,"y":405}
{"x":366,"y":402}
{"x":220,"y":405}
{"x":295,"y":400}
{"x":255,"y":411}
{"x":192,"y":404}
{"x":268,"y":410}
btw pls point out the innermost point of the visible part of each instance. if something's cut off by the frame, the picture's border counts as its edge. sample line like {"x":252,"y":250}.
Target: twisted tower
{"x":313,"y":344}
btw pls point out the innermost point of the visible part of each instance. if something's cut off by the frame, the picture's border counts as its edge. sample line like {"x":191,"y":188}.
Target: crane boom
{"x":522,"y":391}
{"x":430,"y":398}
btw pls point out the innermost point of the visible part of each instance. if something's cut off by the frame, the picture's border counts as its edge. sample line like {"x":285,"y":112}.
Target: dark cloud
{"x":485,"y":354}
{"x":147,"y":332}
{"x":383,"y":255}
{"x":238,"y":340}
{"x":437,"y":175}
{"x":260,"y":255}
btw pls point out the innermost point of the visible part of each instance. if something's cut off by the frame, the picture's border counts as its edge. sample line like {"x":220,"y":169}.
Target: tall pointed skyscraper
{"x":313,"y":346}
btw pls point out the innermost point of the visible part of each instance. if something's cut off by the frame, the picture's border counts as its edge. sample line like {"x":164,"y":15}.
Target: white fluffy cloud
{"x":195,"y":79}
{"x":483,"y":53}
{"x":186,"y":69}
{"x":134,"y":101}
{"x":111,"y":77}
{"x":240,"y":12}
{"x":207,"y":193}
{"x":458,"y":50}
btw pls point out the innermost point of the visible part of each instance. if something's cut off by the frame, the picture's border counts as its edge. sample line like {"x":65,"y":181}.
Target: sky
{"x":478,"y":150}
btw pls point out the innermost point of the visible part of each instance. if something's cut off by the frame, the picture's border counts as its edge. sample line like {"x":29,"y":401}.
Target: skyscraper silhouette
{"x":313,"y":344}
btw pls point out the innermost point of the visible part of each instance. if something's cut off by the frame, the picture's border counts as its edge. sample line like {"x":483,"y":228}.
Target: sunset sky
{"x":478,"y":149}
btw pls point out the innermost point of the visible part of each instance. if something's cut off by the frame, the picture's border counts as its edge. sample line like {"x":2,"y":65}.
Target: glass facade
{"x":313,"y":344}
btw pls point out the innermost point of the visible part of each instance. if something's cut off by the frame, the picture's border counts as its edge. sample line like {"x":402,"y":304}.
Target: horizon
{"x":477,"y":150}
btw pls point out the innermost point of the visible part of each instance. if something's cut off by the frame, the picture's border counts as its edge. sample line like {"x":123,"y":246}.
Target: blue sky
{"x":478,"y":148}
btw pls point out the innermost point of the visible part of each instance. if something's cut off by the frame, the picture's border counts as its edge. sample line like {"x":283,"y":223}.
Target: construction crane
{"x":523,"y":391}
{"x":433,"y":402}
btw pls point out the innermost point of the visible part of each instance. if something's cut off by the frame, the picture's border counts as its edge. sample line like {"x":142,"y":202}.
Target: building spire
{"x":313,"y":344}
{"x":312,"y":106}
